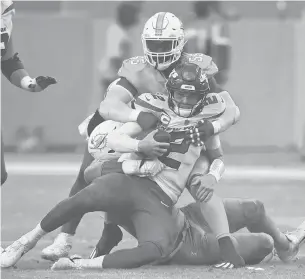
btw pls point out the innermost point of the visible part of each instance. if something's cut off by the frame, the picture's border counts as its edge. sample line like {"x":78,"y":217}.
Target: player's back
{"x":182,"y":157}
{"x":143,"y":76}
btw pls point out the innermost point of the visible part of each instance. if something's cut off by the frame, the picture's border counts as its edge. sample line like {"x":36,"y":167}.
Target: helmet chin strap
{"x":156,"y":66}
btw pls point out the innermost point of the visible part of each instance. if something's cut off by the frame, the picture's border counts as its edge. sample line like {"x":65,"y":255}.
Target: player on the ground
{"x":12,"y":67}
{"x":163,"y":41}
{"x":198,"y":246}
{"x":188,"y":103}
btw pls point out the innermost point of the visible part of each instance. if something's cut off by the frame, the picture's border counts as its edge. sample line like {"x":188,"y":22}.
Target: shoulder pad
{"x":150,"y":102}
{"x":7,"y":7}
{"x":132,"y":65}
{"x":205,"y":62}
{"x":214,"y":105}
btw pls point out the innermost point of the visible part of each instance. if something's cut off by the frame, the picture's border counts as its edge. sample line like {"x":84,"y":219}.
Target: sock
{"x":216,"y":216}
{"x":96,"y":263}
{"x":66,"y":237}
{"x":36,"y":234}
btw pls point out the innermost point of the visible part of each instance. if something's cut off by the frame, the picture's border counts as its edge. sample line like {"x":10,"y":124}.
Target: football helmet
{"x":187,"y":86}
{"x":163,"y":40}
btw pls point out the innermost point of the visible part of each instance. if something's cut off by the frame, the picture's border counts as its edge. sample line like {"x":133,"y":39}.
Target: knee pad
{"x":4,"y":176}
{"x":253,"y":210}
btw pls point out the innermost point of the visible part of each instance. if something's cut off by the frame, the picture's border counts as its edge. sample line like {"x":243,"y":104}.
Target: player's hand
{"x":200,"y":133}
{"x":152,"y":148}
{"x":202,"y":187}
{"x":40,"y":83}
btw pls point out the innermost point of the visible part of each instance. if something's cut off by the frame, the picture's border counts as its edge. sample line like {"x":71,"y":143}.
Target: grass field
{"x":26,"y":197}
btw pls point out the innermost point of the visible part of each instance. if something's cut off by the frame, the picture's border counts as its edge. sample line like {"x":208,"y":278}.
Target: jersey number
{"x":137,"y":60}
{"x":180,"y":148}
{"x":198,"y":57}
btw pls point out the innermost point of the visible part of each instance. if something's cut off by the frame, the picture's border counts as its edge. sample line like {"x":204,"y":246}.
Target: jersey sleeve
{"x":131,"y":70}
{"x":150,"y":103}
{"x":214,"y":106}
{"x":205,"y":62}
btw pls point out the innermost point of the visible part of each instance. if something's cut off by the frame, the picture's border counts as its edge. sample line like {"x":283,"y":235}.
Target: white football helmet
{"x":5,"y":4}
{"x":163,"y":40}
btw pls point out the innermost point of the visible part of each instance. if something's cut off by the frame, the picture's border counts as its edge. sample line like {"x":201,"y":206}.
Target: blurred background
{"x":258,"y":46}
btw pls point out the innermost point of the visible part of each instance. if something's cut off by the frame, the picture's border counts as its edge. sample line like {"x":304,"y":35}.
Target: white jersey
{"x":7,"y":13}
{"x":182,"y":158}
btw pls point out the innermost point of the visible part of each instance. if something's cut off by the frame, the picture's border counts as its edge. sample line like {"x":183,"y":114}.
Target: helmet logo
{"x":159,"y":24}
{"x":188,"y":87}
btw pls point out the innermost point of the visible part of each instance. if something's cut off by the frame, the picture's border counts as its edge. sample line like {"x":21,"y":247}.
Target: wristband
{"x":217,"y":169}
{"x":26,"y":82}
{"x":216,"y":126}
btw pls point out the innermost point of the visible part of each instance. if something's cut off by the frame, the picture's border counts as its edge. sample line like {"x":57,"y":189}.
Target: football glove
{"x":38,"y":84}
{"x":200,"y":133}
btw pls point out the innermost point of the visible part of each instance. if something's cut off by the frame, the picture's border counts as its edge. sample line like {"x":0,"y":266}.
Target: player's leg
{"x":251,"y":214}
{"x":214,"y":213}
{"x":3,"y":168}
{"x":154,"y":225}
{"x":63,"y":242}
{"x":201,"y":247}
{"x":107,"y":193}
{"x":253,"y":247}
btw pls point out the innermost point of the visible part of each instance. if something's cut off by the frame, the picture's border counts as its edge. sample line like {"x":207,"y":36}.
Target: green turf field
{"x":26,"y":198}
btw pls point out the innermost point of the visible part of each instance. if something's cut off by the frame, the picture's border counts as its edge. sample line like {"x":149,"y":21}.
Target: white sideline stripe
{"x":232,"y":172}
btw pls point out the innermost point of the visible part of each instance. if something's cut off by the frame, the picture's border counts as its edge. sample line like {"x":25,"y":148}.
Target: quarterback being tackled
{"x":163,"y":43}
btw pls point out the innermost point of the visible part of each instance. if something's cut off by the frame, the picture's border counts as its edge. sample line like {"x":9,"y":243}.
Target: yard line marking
{"x":232,"y":172}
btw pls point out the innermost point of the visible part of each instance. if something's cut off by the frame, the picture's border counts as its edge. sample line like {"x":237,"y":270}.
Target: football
{"x":162,"y":136}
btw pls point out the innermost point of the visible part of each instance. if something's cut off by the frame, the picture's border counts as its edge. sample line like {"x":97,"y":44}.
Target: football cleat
{"x":12,"y":254}
{"x":64,"y":264}
{"x":296,"y":238}
{"x":229,"y":253}
{"x":59,"y":249}
{"x":111,"y":237}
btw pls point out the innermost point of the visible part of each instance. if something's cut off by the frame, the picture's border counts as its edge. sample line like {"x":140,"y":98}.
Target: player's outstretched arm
{"x":13,"y":69}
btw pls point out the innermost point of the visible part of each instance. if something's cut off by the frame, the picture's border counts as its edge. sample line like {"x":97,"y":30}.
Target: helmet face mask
{"x":187,"y":87}
{"x":163,"y":40}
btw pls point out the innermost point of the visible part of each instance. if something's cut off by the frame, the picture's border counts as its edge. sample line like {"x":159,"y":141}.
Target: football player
{"x":12,"y":67}
{"x":198,"y":246}
{"x":163,"y":42}
{"x":187,"y":103}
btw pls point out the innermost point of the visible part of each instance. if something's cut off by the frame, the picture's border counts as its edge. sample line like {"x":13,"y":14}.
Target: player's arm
{"x":230,"y":116}
{"x":232,"y":113}
{"x":115,"y":105}
{"x":205,"y":174}
{"x":122,"y":140}
{"x":13,"y":69}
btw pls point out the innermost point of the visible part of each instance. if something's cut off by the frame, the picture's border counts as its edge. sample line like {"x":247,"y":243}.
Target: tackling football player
{"x":187,"y":103}
{"x":198,"y":246}
{"x":12,"y":67}
{"x":163,"y":41}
